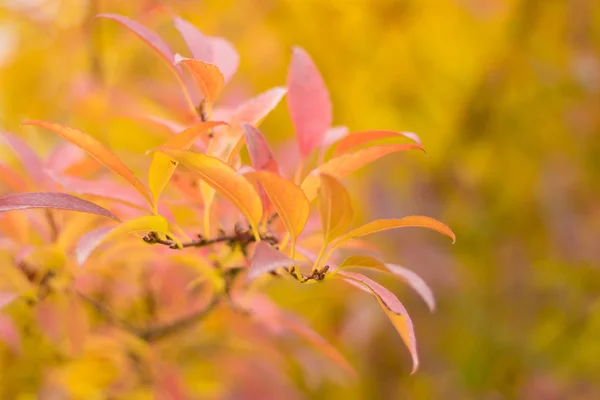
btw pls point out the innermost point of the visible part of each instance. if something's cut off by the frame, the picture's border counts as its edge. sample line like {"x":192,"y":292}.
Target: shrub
{"x":118,"y":297}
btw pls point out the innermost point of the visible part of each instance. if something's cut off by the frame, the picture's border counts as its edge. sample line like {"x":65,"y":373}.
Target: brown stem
{"x":240,"y":237}
{"x":155,"y":333}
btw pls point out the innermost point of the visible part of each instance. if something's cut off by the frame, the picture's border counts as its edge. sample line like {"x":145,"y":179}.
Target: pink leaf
{"x":9,"y":334}
{"x":64,"y":155}
{"x":89,"y":242}
{"x":225,"y":56}
{"x":266,"y":259}
{"x":212,"y":49}
{"x":196,"y":41}
{"x":414,"y":281}
{"x":21,"y":201}
{"x":11,"y":179}
{"x":334,"y":134}
{"x":148,"y":36}
{"x":105,"y":188}
{"x":256,"y":109}
{"x":393,"y":308}
{"x":30,"y":160}
{"x":308,"y":102}
{"x":261,"y":154}
{"x":6,"y":298}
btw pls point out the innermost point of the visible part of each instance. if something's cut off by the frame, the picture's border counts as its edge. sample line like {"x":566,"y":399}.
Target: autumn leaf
{"x":21,"y":201}
{"x":256,"y":109}
{"x":28,"y":157}
{"x":224,"y":179}
{"x":156,"y":43}
{"x":386,"y":224}
{"x":198,"y":43}
{"x":97,"y":150}
{"x":357,"y":139}
{"x":411,"y":278}
{"x":162,"y":167}
{"x":9,"y":334}
{"x":208,"y":78}
{"x":11,"y":179}
{"x":345,"y":164}
{"x":259,"y":150}
{"x":101,"y":188}
{"x":213,"y":49}
{"x":288,"y":200}
{"x":267,"y":259}
{"x":393,"y":309}
{"x":308,"y":102}
{"x":335,"y":208}
{"x":92,"y":239}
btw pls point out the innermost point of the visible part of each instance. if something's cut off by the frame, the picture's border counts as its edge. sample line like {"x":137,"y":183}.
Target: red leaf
{"x":267,"y":259}
{"x":394,"y":310}
{"x":21,"y":201}
{"x":308,"y":102}
{"x":30,"y":160}
{"x":357,"y":139}
{"x":261,"y":154}
{"x":9,"y":334}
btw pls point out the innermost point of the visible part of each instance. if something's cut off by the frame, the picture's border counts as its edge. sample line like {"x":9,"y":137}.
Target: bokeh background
{"x":505,"y":95}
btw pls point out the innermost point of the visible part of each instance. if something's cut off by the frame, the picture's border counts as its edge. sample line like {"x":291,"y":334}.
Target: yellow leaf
{"x":345,"y":164}
{"x":162,"y":166}
{"x":207,"y":76}
{"x":224,"y":180}
{"x":335,"y":208}
{"x":288,"y":200}
{"x":97,"y":150}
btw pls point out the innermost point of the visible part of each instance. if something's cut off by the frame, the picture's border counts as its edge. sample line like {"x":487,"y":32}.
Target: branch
{"x":153,"y":334}
{"x":240,"y":237}
{"x":108,"y":314}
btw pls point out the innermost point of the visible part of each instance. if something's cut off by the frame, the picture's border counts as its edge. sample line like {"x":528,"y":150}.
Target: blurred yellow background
{"x":505,"y":95}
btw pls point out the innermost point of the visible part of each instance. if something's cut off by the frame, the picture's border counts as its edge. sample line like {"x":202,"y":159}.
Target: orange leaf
{"x":393,"y":309}
{"x":345,"y":164}
{"x":162,"y":166}
{"x":288,"y":200}
{"x":357,"y":139}
{"x":207,"y":76}
{"x":335,"y":208}
{"x":385,"y":224}
{"x":97,"y":150}
{"x":224,"y":180}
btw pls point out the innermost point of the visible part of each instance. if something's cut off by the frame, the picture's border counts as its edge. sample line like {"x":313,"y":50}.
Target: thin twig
{"x":108,"y":314}
{"x":153,"y":334}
